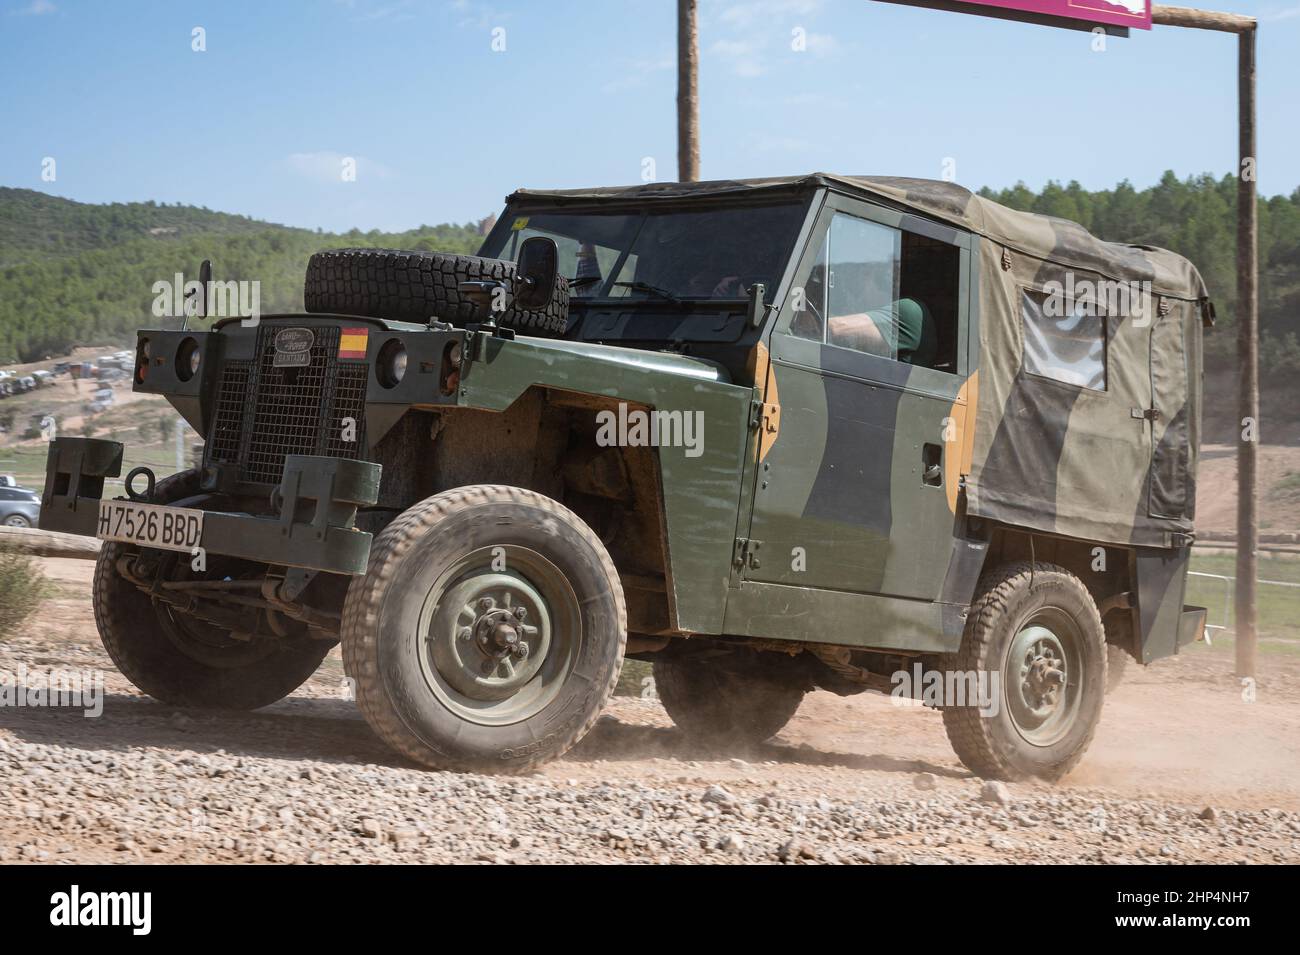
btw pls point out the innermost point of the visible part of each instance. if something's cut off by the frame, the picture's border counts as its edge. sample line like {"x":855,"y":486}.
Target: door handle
{"x":932,"y":464}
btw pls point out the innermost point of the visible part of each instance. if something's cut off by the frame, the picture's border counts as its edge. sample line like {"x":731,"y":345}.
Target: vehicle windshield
{"x":663,"y":255}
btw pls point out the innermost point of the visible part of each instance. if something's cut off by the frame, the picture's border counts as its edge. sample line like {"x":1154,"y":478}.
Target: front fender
{"x":701,"y":483}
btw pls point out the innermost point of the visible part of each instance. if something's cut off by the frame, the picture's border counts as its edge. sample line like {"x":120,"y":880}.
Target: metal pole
{"x":1248,"y":360}
{"x":1247,"y":613}
{"x":688,"y":92}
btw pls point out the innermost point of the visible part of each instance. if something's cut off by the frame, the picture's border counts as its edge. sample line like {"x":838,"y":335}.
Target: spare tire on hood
{"x":419,"y":287}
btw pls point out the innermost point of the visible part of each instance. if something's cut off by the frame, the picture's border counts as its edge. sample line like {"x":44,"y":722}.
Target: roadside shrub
{"x":22,"y":587}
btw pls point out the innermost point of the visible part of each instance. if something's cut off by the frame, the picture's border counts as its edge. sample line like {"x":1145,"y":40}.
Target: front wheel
{"x":183,"y":661}
{"x":1036,"y":629}
{"x":488,"y":631}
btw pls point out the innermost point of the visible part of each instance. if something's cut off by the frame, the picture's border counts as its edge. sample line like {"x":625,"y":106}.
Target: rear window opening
{"x":1069,"y":348}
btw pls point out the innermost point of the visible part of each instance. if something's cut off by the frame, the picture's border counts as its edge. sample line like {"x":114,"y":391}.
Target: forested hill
{"x":78,"y":274}
{"x":1197,"y":218}
{"x":73,"y":273}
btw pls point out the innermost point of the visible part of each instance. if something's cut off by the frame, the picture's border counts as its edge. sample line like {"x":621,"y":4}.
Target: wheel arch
{"x":1109,"y":571}
{"x":545,"y":441}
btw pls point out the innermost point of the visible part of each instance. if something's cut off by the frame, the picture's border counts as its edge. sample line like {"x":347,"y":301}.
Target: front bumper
{"x":325,"y":540}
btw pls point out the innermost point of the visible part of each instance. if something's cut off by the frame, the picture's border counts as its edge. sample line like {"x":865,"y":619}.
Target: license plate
{"x":150,"y":525}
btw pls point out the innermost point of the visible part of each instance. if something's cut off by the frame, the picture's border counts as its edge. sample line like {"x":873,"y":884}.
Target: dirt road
{"x":1183,"y":770}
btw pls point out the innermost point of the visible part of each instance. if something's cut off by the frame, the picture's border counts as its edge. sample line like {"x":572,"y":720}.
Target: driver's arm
{"x":859,"y":331}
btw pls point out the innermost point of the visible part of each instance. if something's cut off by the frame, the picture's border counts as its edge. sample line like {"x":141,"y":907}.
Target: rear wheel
{"x":1036,"y":628}
{"x":739,"y":700}
{"x":488,"y":631}
{"x":179,"y":659}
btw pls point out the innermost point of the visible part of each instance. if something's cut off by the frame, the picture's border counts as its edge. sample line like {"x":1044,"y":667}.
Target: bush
{"x":22,"y":587}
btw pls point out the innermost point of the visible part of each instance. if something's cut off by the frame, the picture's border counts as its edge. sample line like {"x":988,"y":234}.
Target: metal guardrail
{"x":1228,"y":590}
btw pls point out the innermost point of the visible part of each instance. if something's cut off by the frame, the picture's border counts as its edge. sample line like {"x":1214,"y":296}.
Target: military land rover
{"x":771,"y":435}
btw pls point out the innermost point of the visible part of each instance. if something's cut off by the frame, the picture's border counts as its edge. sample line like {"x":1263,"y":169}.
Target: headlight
{"x":391,"y":366}
{"x":188,"y":358}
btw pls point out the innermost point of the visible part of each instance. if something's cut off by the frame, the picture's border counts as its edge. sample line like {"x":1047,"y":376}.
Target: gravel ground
{"x":851,"y":780}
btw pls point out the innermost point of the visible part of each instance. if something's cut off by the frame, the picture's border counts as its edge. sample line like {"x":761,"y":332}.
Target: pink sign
{"x":1120,"y":13}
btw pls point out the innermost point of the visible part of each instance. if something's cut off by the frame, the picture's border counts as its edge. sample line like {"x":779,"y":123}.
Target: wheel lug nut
{"x":465,"y":633}
{"x":485,"y":603}
{"x":521,"y":612}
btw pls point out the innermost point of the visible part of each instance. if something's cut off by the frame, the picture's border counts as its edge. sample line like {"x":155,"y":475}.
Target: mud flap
{"x":1161,"y":584}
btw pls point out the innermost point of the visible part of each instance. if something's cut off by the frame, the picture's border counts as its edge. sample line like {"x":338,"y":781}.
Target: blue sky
{"x":441,"y":126}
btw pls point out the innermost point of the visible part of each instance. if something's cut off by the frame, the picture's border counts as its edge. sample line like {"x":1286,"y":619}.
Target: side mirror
{"x":757,"y":310}
{"x":535,"y":272}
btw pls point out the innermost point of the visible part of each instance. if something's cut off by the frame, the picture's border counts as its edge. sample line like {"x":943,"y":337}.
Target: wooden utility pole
{"x":688,"y":92}
{"x":1247,"y":616}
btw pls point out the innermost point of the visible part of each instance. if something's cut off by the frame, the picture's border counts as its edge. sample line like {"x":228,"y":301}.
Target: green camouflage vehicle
{"x":771,"y":435}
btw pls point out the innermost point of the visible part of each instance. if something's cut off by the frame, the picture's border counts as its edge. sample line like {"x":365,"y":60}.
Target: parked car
{"x":19,"y":506}
{"x":42,"y":378}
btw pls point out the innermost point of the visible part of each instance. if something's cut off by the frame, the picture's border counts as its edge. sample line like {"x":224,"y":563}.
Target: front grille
{"x":264,"y":412}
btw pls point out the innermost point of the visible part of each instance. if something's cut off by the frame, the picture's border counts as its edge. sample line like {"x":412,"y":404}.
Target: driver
{"x":906,"y":332}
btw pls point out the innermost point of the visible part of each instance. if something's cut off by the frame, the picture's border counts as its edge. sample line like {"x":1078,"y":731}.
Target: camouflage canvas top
{"x":1085,"y":381}
{"x":1060,"y":240}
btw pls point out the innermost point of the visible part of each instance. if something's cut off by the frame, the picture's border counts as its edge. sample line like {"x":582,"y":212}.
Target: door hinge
{"x":747,"y":552}
{"x":1145,"y":414}
{"x":764,"y":416}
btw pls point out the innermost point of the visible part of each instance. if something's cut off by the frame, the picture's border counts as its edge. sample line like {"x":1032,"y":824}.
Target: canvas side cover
{"x":1088,"y":429}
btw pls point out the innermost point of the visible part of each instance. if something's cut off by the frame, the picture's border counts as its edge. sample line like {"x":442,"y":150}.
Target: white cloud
{"x":328,"y":167}
{"x":368,"y":11}
{"x":37,"y":8}
{"x":1274,"y":14}
{"x":762,"y":12}
{"x":478,"y":15}
{"x":754,"y":33}
{"x":822,"y":44}
{"x":636,"y":73}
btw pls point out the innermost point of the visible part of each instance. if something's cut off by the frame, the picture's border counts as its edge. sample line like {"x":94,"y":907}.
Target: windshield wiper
{"x":664,"y":294}
{"x":585,"y":280}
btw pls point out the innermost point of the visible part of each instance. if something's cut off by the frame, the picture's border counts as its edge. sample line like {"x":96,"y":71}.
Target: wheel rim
{"x":15,"y":520}
{"x":498,"y":635}
{"x":1043,"y":678}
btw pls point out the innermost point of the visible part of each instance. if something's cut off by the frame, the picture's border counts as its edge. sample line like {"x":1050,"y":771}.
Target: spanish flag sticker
{"x":352,"y":342}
